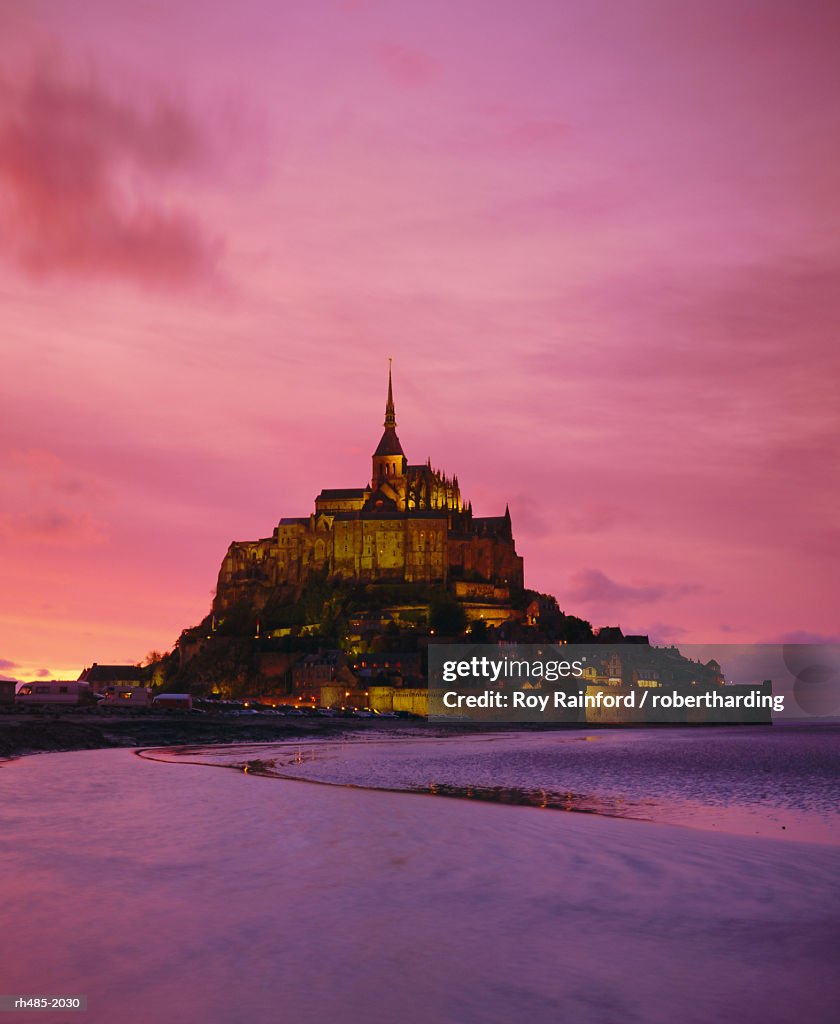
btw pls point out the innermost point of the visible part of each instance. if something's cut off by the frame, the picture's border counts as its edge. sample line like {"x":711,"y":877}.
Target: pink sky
{"x":600,"y":240}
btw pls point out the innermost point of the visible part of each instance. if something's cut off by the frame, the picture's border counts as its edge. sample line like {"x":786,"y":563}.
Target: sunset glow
{"x":599,"y":240}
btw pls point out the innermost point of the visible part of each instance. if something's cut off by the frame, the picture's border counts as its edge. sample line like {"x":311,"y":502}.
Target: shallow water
{"x":191,"y":895}
{"x":780,"y":781}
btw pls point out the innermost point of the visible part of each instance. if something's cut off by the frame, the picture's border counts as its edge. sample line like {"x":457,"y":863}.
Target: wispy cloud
{"x":599,"y":518}
{"x":592,"y":586}
{"x":803,"y":636}
{"x":530,"y":518}
{"x":85,"y":175}
{"x":51,"y":503}
{"x":663,"y":632}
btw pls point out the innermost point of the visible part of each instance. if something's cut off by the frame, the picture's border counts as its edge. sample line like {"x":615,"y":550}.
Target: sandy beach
{"x":186,"y":893}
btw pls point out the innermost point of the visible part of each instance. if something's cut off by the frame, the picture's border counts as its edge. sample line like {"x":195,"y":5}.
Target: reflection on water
{"x":543,"y":798}
{"x":184,"y":893}
{"x":777,"y":781}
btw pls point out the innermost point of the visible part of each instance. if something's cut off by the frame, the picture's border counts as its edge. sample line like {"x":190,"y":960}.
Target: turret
{"x":388,"y":460}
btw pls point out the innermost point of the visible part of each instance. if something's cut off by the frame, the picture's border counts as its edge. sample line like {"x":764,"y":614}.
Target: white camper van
{"x":55,"y":692}
{"x":128,"y":697}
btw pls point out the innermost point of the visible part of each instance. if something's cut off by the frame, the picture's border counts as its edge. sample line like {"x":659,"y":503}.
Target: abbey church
{"x":409,"y":524}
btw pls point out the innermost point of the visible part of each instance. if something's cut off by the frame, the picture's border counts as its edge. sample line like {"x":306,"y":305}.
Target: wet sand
{"x":187,"y":894}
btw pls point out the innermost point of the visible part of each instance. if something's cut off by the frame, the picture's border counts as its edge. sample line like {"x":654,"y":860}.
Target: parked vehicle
{"x":128,"y":696}
{"x":173,"y":701}
{"x":56,"y":692}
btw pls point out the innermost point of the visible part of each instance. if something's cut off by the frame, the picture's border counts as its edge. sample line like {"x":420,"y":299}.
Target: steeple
{"x":390,"y":415}
{"x":388,"y":459}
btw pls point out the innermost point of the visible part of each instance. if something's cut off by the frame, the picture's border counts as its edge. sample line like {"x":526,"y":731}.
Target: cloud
{"x":42,"y":673}
{"x":5,"y":663}
{"x":528,"y":517}
{"x":663,"y":632}
{"x":803,"y":636}
{"x":84,"y":174}
{"x":601,"y":518}
{"x":405,"y":66}
{"x":54,"y":526}
{"x":591,"y":586}
{"x":729,"y":327}
{"x":52,"y":501}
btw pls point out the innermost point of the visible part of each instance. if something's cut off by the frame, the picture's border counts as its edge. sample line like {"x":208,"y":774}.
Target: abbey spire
{"x":390,"y":415}
{"x":388,"y":459}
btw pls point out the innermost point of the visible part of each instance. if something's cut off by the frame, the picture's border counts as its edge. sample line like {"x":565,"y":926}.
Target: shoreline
{"x":362,"y":753}
{"x":501,"y":796}
{"x":483,"y":769}
{"x":38,"y":732}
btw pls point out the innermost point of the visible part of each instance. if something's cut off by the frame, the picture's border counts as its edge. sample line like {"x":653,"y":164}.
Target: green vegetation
{"x":227,"y":653}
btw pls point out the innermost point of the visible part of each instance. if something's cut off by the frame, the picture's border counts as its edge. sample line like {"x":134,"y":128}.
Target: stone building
{"x":408,"y":524}
{"x":102,"y":676}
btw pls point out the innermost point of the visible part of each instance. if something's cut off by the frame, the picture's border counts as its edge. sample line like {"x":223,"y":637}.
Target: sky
{"x":599,"y":238}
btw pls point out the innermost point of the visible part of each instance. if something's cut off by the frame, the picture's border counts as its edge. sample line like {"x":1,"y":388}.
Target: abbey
{"x":409,"y":524}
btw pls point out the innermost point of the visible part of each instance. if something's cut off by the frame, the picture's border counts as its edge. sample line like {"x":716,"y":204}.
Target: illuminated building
{"x":408,"y":525}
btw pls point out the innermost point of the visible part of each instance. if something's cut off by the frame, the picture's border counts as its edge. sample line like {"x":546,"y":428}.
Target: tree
{"x":478,"y":631}
{"x":447,"y":617}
